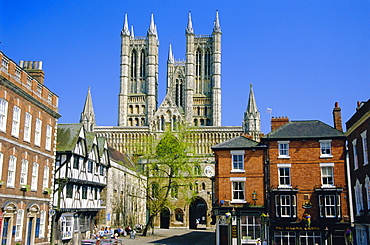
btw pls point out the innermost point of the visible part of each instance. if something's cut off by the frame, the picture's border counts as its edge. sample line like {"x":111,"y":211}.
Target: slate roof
{"x":89,"y":140}
{"x":67,"y":136}
{"x":101,"y":143}
{"x":239,"y":142}
{"x":120,"y":158}
{"x":304,"y":129}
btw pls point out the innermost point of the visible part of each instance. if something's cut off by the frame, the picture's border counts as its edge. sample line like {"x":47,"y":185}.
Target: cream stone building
{"x":193,"y":98}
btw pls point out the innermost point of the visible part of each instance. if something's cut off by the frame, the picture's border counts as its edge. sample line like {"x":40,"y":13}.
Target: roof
{"x":239,"y":142}
{"x":304,"y":129}
{"x":120,"y":158}
{"x":67,"y":136}
{"x":90,"y":136}
{"x":101,"y":145}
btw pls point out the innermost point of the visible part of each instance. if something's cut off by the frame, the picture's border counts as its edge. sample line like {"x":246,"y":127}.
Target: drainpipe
{"x":351,"y":214}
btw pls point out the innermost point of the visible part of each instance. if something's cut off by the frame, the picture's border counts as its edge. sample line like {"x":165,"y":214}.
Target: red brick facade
{"x":27,"y":163}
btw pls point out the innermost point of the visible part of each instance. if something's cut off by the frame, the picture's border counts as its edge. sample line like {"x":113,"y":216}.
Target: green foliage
{"x":166,"y":160}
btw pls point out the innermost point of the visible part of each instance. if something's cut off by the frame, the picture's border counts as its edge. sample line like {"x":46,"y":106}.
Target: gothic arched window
{"x":179,"y":215}
{"x":207,"y":63}
{"x":142,"y":64}
{"x":133,"y":63}
{"x":198,"y":64}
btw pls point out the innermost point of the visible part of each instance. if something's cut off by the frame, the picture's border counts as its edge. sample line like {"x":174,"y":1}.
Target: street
{"x":174,"y":237}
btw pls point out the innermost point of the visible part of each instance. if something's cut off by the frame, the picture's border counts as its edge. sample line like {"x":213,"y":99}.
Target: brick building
{"x":28,"y":118}
{"x":358,"y":131}
{"x":239,"y":189}
{"x":307,"y":182}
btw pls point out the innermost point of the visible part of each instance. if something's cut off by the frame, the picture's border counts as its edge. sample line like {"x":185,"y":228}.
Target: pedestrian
{"x":264,"y":242}
{"x":101,"y":232}
{"x":258,"y":241}
{"x":110,"y":232}
{"x":196,"y":223}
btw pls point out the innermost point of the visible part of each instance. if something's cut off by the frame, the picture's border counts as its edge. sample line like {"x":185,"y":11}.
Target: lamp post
{"x":254,"y":197}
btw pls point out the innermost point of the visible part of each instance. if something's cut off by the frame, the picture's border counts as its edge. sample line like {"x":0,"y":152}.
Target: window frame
{"x":27,"y":127}
{"x":327,"y":177}
{"x":325,"y":149}
{"x":289,"y":206}
{"x":35,"y":176}
{"x":38,"y":128}
{"x":283,"y":152}
{"x":24,"y":171}
{"x":42,"y":224}
{"x":287,"y":178}
{"x":12,"y":167}
{"x":237,"y":161}
{"x":3,"y":114}
{"x":238,"y":189}
{"x":358,"y":197}
{"x":355,"y":154}
{"x":328,"y":204}
{"x":365,"y":150}
{"x":16,"y":121}
{"x":45,"y":178}
{"x":19,"y":225}
{"x":49,"y":130}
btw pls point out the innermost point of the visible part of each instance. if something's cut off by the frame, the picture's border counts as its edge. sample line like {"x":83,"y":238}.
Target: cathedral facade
{"x":193,"y":98}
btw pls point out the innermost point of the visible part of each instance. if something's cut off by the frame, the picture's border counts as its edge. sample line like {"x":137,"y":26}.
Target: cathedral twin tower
{"x":193,"y":86}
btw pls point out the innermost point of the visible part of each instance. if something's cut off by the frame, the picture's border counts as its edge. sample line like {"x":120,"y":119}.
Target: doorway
{"x":197,"y":211}
{"x":165,"y":218}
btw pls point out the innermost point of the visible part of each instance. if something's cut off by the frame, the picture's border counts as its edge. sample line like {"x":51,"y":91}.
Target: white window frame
{"x":358,"y":197}
{"x":34,"y":178}
{"x":24,"y":171}
{"x":66,"y":225}
{"x":325,"y":149}
{"x":237,"y":161}
{"x":42,"y":224}
{"x":250,"y":227}
{"x":19,"y":225}
{"x":355,"y":155}
{"x":286,"y":205}
{"x":284,"y":166}
{"x":48,"y":137}
{"x":360,"y":235}
{"x":45,"y":179}
{"x":326,"y":176}
{"x":27,"y":127}
{"x":1,"y":164}
{"x":283,"y":149}
{"x":365,"y":149}
{"x":16,"y":121}
{"x":11,"y":171}
{"x":236,"y":183}
{"x":3,"y":114}
{"x":310,"y":237}
{"x":38,"y":131}
{"x":367,"y":187}
{"x":329,"y":205}
{"x":285,"y":237}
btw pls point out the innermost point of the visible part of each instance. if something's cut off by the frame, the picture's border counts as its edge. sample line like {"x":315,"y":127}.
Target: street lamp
{"x":254,"y":197}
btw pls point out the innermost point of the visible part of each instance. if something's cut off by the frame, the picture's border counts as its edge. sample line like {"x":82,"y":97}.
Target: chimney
{"x":337,"y":117}
{"x":34,"y":68}
{"x":277,"y":122}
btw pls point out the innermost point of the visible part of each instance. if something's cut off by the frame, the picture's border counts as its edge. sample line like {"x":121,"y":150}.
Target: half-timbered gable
{"x":80,"y":179}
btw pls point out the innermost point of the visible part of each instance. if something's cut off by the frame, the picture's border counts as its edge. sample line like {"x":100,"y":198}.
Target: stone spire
{"x":171,"y":57}
{"x":217,"y":27}
{"x":189,"y":28}
{"x":152,"y":29}
{"x":252,"y":117}
{"x":132,"y":31}
{"x":88,"y":115}
{"x":125,"y":30}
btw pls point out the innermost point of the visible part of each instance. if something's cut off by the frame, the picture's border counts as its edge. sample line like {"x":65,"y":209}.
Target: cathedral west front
{"x":193,"y":98}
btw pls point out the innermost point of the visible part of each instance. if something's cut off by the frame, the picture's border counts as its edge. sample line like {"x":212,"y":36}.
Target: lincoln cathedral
{"x":193,"y":98}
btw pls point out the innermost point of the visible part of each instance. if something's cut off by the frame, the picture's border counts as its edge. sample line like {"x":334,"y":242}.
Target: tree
{"x":169,"y":170}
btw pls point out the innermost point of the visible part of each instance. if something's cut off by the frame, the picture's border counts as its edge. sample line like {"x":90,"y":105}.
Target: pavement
{"x":174,"y":236}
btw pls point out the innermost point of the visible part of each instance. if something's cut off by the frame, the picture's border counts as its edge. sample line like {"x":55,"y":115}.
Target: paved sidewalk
{"x":174,"y":237}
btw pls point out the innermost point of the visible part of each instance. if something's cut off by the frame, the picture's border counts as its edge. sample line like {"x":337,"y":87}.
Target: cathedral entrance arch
{"x":197,"y":211}
{"x":165,"y":218}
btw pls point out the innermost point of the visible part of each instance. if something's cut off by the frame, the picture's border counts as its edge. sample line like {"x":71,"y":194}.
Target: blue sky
{"x":301,"y":56}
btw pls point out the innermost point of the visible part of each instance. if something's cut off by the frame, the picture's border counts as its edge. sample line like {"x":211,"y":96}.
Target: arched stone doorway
{"x":165,"y":218}
{"x":197,"y":210}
